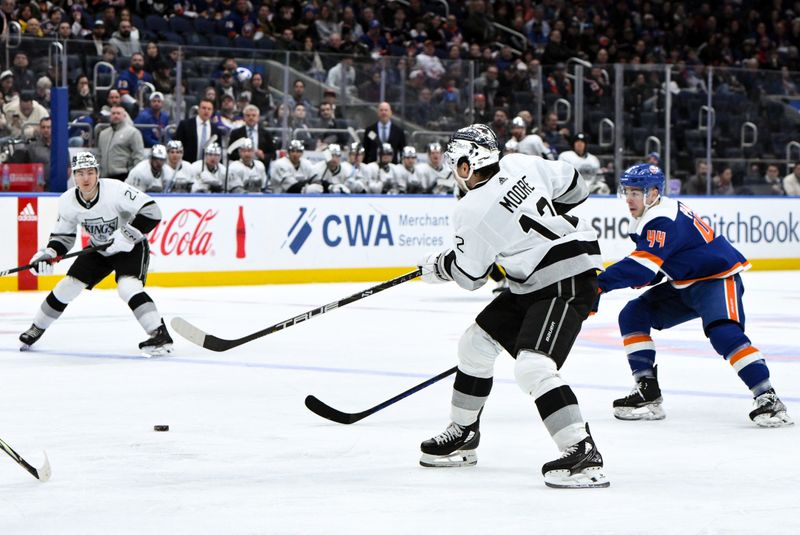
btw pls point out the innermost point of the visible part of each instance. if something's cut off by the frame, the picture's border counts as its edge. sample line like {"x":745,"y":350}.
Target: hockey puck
{"x":160,"y":428}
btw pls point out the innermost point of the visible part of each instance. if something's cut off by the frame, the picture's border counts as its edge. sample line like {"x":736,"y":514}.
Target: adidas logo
{"x":502,"y":180}
{"x":27,"y":214}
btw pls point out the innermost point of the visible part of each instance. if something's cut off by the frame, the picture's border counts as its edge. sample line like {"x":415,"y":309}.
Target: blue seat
{"x":172,"y":37}
{"x":203,"y":26}
{"x":219,"y":41}
{"x":138,"y":22}
{"x":181,"y":25}
{"x":156,"y":24}
{"x":196,"y":39}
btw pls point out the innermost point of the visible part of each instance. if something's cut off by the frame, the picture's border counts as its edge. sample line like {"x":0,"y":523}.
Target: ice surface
{"x":243,"y":455}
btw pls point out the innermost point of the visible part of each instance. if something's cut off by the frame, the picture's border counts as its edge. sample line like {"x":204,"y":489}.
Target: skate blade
{"x":455,"y":459}
{"x":166,"y":349}
{"x":648,"y":412}
{"x":780,"y":419}
{"x":24,"y":347}
{"x":590,"y":478}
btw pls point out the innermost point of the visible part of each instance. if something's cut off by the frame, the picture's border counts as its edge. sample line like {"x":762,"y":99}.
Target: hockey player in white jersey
{"x":209,"y":173}
{"x":531,"y":144}
{"x":436,"y":176}
{"x":247,"y":171}
{"x":409,"y":179}
{"x":360,"y":173}
{"x":148,"y":174}
{"x":112,"y":212}
{"x":177,"y":171}
{"x":383,"y":175}
{"x":329,"y":175}
{"x":587,"y":164}
{"x":290,"y":173}
{"x":516,"y":213}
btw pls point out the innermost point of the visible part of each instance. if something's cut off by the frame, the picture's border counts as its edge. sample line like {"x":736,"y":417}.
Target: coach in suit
{"x":262,"y":140}
{"x":384,"y":131}
{"x":196,"y":131}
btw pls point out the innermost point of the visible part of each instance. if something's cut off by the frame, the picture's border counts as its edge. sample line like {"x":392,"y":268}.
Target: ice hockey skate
{"x":643,"y":403}
{"x":454,"y":447}
{"x":30,"y":337}
{"x":159,"y":343}
{"x":770,"y":411}
{"x":580,"y":466}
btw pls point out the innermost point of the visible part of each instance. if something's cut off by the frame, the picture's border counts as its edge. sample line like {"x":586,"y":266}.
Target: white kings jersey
{"x":382,"y":179}
{"x":358,"y":177}
{"x":251,"y":177}
{"x":587,"y":165}
{"x":178,"y":178}
{"x":409,"y":180}
{"x":534,"y":145}
{"x":207,"y":180}
{"x":115,"y":205}
{"x":519,"y":220}
{"x":283,"y":174}
{"x":439,"y":180}
{"x":322,"y":173}
{"x":142,"y":178}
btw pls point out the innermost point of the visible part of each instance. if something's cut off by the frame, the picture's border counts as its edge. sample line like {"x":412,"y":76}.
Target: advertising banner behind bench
{"x":216,"y":240}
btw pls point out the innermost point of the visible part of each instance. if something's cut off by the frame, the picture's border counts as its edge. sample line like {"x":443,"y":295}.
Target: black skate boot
{"x":770,"y":411}
{"x":30,"y":337}
{"x":643,"y":403}
{"x":159,"y":343}
{"x":580,"y":466}
{"x":454,"y":447}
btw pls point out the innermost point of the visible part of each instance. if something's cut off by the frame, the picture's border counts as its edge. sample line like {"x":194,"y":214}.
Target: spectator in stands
{"x":129,"y":79}
{"x":327,"y":120}
{"x":42,"y":93}
{"x":557,"y":82}
{"x":264,"y":26}
{"x":98,"y":40}
{"x":342,"y":76}
{"x":120,"y":145}
{"x":477,"y":27}
{"x":791,"y":182}
{"x":152,"y":57}
{"x":163,"y":79}
{"x":351,"y":29}
{"x":771,"y":183}
{"x":501,"y":126}
{"x":260,"y":96}
{"x":298,"y":96}
{"x":23,"y":115}
{"x":109,"y":56}
{"x":125,"y":43}
{"x":429,"y":62}
{"x":424,"y":111}
{"x":227,"y":85}
{"x":196,"y":131}
{"x":34,"y":45}
{"x":370,"y":90}
{"x":383,"y":131}
{"x":7,"y":87}
{"x":241,"y":14}
{"x":39,"y":149}
{"x":723,"y":182}
{"x":556,"y":51}
{"x":696,"y":183}
{"x":373,"y":40}
{"x":24,"y":78}
{"x":113,"y":98}
{"x":261,"y":138}
{"x":81,"y":97}
{"x":225,"y":118}
{"x":153,"y":115}
{"x":487,"y":84}
{"x":554,"y":136}
{"x":326,"y":23}
{"x":480,"y":111}
{"x":298,"y":122}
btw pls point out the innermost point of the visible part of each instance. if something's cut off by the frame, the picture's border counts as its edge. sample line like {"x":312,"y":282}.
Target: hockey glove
{"x":43,"y":261}
{"x":432,"y":270}
{"x":123,"y":240}
{"x":596,"y":303}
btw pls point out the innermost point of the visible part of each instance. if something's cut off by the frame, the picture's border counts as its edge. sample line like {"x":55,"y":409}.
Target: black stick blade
{"x":329,"y":413}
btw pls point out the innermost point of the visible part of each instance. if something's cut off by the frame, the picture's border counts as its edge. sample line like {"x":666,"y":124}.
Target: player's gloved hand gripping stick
{"x":53,"y":260}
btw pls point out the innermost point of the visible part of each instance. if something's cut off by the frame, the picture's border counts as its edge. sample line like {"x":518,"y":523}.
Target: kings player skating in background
{"x":109,"y":211}
{"x":702,"y":270}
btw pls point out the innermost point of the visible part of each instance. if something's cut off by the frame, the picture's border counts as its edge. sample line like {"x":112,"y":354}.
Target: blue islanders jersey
{"x":673,"y":241}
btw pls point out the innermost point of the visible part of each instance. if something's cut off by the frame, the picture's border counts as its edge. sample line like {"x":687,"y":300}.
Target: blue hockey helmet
{"x":642,"y":176}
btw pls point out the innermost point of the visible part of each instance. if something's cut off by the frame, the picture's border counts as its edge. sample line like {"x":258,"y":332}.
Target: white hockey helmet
{"x":385,"y":149}
{"x":477,"y":144}
{"x":175,"y":145}
{"x":335,"y":149}
{"x":356,"y":148}
{"x":409,"y":152}
{"x":247,"y":144}
{"x":434,"y":147}
{"x":159,"y":151}
{"x":296,"y":145}
{"x":84,"y":160}
{"x":214,"y":148}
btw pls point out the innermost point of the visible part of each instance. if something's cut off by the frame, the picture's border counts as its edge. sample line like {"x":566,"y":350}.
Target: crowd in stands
{"x":415,"y":56}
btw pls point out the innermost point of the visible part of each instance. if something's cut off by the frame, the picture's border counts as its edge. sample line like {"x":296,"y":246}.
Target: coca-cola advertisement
{"x":187,"y":232}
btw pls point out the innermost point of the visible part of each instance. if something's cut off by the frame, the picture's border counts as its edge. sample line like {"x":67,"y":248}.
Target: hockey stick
{"x":209,"y":341}
{"x":57,"y":259}
{"x":42,"y":474}
{"x":326,"y":411}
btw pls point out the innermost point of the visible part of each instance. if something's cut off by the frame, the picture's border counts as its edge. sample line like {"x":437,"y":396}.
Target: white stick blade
{"x":188,"y":331}
{"x":44,"y":472}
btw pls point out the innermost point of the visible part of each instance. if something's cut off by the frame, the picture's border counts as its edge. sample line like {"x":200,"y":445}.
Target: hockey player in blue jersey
{"x":702,"y":270}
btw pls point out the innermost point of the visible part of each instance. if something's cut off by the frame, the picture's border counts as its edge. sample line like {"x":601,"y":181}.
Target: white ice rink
{"x":244,"y":456}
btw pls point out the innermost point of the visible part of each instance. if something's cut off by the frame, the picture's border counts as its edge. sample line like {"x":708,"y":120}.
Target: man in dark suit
{"x":262,"y":140}
{"x":196,"y":131}
{"x":384,"y":131}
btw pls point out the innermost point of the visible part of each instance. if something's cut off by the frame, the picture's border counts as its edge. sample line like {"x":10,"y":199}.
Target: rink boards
{"x":239,"y":239}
